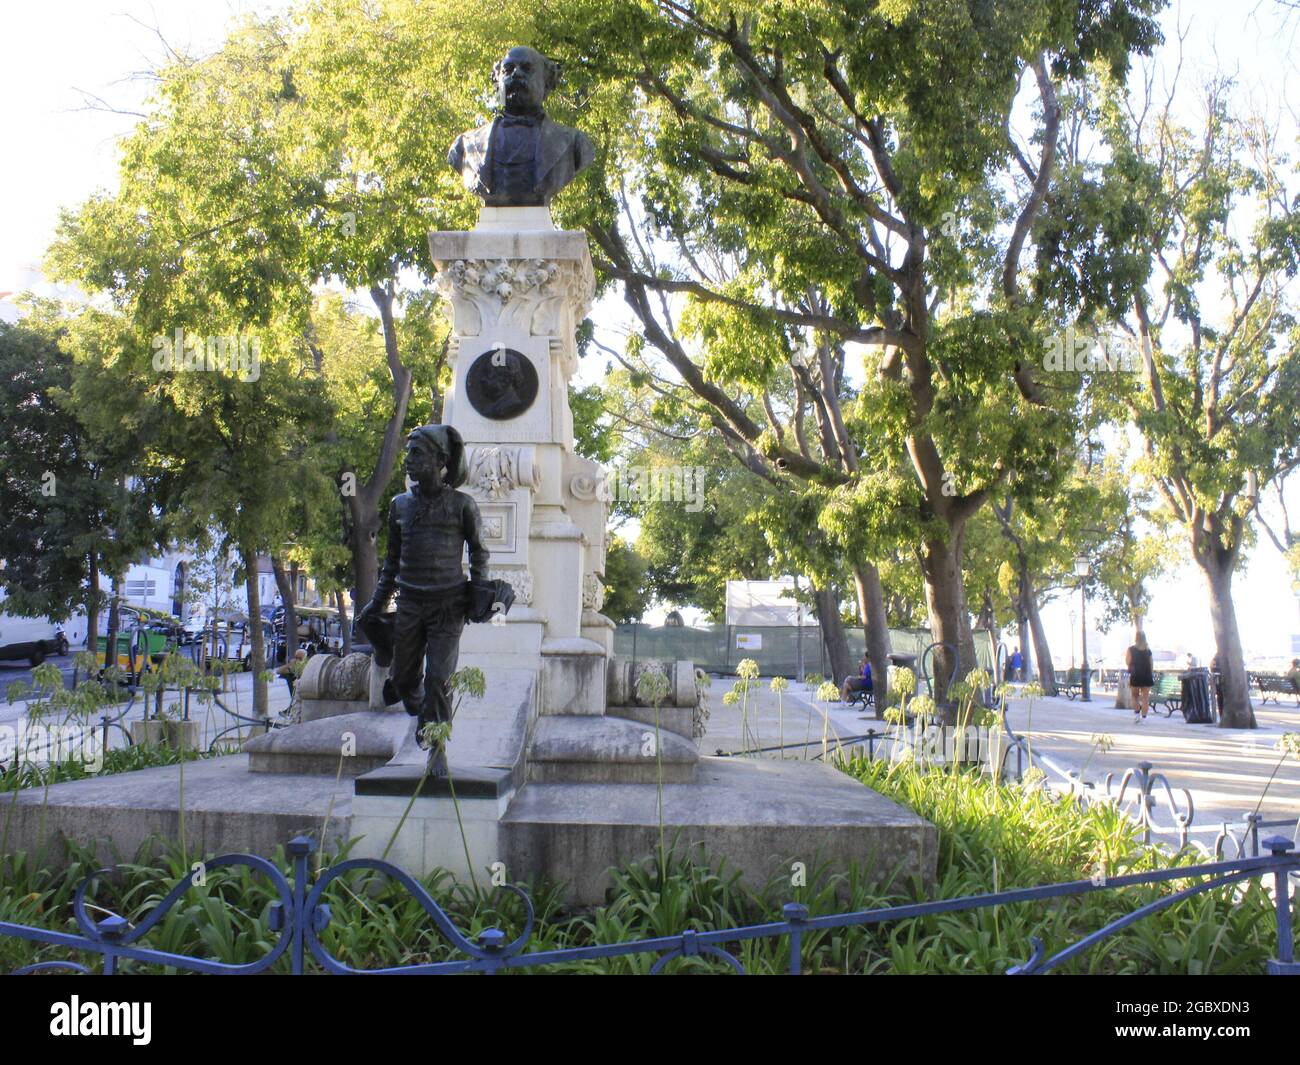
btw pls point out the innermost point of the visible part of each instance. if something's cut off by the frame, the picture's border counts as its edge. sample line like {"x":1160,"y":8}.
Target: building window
{"x":143,"y":588}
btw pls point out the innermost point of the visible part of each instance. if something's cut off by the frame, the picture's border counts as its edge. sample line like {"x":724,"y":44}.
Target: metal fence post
{"x":1147,"y":800}
{"x":300,"y":848}
{"x":1279,"y":846}
{"x":795,"y":914}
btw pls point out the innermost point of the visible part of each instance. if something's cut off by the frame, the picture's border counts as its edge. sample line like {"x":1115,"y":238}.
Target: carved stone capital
{"x":496,"y":471}
{"x":528,"y":295}
{"x":590,"y":487}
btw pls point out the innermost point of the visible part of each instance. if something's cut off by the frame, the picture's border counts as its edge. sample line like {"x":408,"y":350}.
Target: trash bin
{"x":1196,"y":697}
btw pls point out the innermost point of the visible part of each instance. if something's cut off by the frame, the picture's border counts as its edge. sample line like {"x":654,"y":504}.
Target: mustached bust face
{"x":523,"y":78}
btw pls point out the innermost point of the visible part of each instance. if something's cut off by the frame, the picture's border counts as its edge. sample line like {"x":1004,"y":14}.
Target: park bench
{"x":1168,"y":692}
{"x":860,"y":697}
{"x":1069,"y":682}
{"x":1274,"y":686}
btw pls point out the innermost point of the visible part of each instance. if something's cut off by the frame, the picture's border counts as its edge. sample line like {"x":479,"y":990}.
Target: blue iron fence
{"x":300,"y":915}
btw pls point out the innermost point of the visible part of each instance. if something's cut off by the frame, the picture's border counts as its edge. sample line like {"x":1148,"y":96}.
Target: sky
{"x":68,"y":66}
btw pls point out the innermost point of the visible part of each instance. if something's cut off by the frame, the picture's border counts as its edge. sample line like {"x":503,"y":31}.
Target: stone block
{"x":574,"y":683}
{"x":678,"y":719}
{"x":760,"y":816}
{"x":607,"y":749}
{"x":350,"y":744}
{"x":166,"y":732}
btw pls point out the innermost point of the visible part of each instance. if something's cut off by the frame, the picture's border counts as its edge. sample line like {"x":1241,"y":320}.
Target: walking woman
{"x":1140,"y":677}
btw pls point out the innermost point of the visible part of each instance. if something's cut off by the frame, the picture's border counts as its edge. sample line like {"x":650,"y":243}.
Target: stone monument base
{"x":759,"y":817}
{"x":562,"y":797}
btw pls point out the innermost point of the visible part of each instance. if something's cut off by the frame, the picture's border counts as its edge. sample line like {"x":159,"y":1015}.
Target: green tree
{"x":1201,"y":289}
{"x":627,"y":594}
{"x":68,"y":511}
{"x":784,"y":181}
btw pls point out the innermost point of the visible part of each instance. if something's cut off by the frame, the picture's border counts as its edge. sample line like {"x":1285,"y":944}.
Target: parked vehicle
{"x":193,"y":628}
{"x":35,"y":639}
{"x":231,"y":640}
{"x":144,"y":638}
{"x":319,"y":630}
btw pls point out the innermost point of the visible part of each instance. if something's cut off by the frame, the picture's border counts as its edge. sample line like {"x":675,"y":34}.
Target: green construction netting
{"x":718,"y":648}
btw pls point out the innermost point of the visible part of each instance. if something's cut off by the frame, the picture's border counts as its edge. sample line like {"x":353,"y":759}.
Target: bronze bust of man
{"x":521,"y":158}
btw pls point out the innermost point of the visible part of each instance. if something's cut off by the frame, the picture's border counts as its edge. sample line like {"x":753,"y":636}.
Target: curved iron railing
{"x":956,"y":665}
{"x":300,"y":916}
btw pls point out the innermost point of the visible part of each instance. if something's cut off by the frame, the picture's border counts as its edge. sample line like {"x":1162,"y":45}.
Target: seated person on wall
{"x":292,"y":669}
{"x":859,"y":683}
{"x":429,"y":528}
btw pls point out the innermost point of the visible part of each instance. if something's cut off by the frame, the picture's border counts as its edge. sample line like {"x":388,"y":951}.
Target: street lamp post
{"x":1082,"y":570}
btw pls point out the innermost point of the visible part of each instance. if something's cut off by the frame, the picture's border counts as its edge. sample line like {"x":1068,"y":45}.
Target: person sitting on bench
{"x":1294,"y":675}
{"x":860,"y":683}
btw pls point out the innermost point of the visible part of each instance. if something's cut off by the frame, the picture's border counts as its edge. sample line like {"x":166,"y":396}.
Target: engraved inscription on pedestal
{"x":501,"y":384}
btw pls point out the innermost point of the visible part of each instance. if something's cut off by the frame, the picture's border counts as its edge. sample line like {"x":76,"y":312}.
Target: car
{"x":230,"y":640}
{"x":193,"y":628}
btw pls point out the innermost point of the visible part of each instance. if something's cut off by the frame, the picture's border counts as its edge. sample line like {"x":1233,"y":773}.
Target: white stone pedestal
{"x":517,"y":284}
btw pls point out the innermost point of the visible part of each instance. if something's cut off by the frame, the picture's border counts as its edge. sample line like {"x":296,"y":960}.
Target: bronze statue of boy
{"x":429,"y":528}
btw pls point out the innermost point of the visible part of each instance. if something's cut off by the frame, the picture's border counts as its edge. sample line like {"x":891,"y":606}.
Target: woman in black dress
{"x":1140,"y":676}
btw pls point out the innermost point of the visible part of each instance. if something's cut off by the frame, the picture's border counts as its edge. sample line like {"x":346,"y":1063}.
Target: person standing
{"x":1140,"y":675}
{"x":1016,"y":664}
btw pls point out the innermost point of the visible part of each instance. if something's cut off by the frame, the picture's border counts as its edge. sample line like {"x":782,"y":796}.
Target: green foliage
{"x":991,"y":837}
{"x":999,"y":837}
{"x":62,"y":490}
{"x":118,"y":760}
{"x":593,"y":437}
{"x":627,"y":593}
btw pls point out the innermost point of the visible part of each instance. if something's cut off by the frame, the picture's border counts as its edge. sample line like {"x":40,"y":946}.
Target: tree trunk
{"x":363,"y":536}
{"x":945,"y":594}
{"x":1042,"y":653}
{"x":989,"y":622}
{"x":258,"y":666}
{"x":342,"y":608}
{"x":833,"y":635}
{"x":875,"y":623}
{"x":363,"y":505}
{"x":92,"y":600}
{"x":1236,"y":710}
{"x":290,"y":601}
{"x":1023,"y":636}
{"x":114,"y":623}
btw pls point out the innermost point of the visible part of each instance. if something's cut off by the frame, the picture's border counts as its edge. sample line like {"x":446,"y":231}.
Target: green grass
{"x":991,"y":837}
{"x":994,"y":837}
